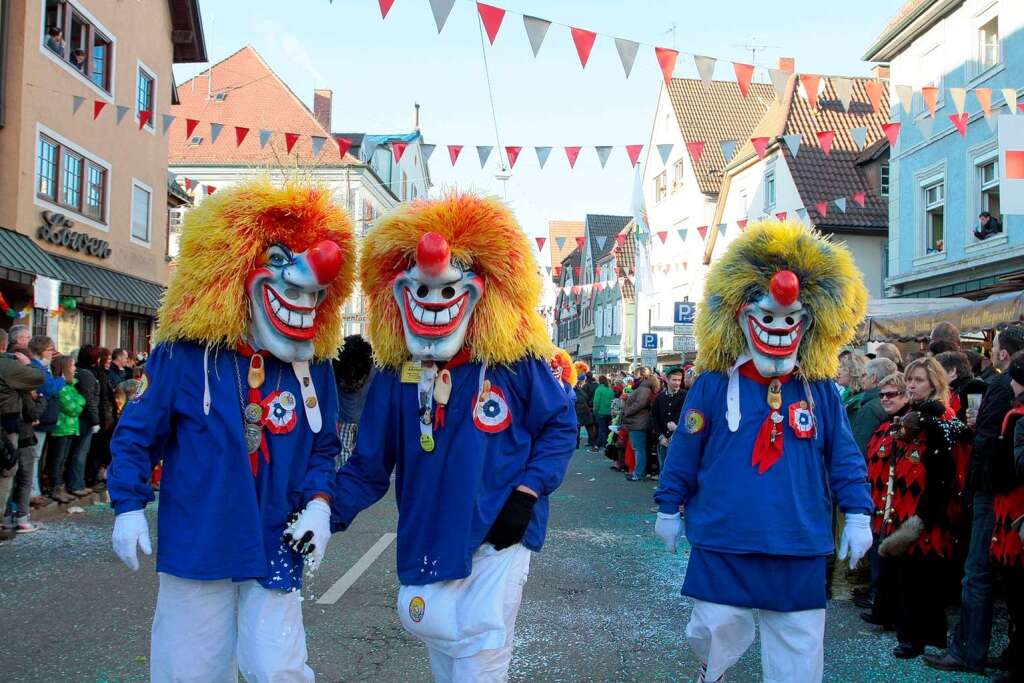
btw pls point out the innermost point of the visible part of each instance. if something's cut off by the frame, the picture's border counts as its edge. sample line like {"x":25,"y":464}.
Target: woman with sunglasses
{"x":916,"y":527}
{"x":892,"y":391}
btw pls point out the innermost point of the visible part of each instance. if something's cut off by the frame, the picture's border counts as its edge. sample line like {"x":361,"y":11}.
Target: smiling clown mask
{"x":783,"y":295}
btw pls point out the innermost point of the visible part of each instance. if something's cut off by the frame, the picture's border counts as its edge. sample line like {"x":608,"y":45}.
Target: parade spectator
{"x":988,"y":225}
{"x":964,"y":388}
{"x":689,"y":376}
{"x":917,"y":528}
{"x":890,"y":351}
{"x":602,"y":405}
{"x":41,"y":351}
{"x":967,"y":649}
{"x":17,"y":378}
{"x":55,"y":40}
{"x":78,"y":60}
{"x":63,"y":436}
{"x":32,"y":406}
{"x":871,"y":413}
{"x":636,"y":418}
{"x":944,"y":337}
{"x":353,"y":372}
{"x":585,"y":410}
{"x":665,"y":413}
{"x":118,"y":365}
{"x":988,"y":370}
{"x":99,"y":448}
{"x":89,"y":387}
{"x":851,"y":379}
{"x":975,"y":359}
{"x":618,"y":436}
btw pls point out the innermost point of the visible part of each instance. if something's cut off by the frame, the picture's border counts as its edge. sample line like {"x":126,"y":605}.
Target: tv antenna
{"x":754,"y":48}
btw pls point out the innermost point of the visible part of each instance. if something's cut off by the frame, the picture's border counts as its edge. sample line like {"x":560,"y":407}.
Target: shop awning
{"x":969,"y":317}
{"x":21,"y":260}
{"x":110,"y":289}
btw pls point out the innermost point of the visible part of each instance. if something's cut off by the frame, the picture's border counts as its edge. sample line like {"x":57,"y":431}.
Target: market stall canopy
{"x":913,"y":319}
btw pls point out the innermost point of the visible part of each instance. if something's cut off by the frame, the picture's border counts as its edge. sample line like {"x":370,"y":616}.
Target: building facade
{"x":941,"y":181}
{"x":83,"y":186}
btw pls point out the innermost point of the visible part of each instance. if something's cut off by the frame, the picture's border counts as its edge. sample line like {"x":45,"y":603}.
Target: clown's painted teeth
{"x":774,"y":339}
{"x":291,"y":318}
{"x":442,"y":317}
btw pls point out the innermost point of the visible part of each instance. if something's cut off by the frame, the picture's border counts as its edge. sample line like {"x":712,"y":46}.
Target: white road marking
{"x":335,"y":592}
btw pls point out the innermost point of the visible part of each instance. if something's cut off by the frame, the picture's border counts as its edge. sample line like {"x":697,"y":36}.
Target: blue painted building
{"x":938,"y":182}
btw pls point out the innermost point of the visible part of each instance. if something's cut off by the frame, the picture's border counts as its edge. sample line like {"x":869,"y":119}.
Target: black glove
{"x":932,"y":408}
{"x":510,"y":526}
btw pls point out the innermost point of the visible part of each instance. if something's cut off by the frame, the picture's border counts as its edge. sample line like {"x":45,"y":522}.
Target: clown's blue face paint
{"x":437,"y":299}
{"x":284,"y":295}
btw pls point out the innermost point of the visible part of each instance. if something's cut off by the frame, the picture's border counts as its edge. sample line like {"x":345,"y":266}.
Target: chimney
{"x":880,"y":71}
{"x":322,"y":108}
{"x":787,"y":64}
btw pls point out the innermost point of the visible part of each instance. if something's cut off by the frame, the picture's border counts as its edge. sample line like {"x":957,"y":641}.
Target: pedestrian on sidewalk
{"x":17,"y":377}
{"x":64,"y":434}
{"x":603,"y":396}
{"x":636,"y":418}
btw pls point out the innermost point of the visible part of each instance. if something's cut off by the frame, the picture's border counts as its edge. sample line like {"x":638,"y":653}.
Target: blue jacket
{"x":448,"y":499}
{"x":787,"y":510}
{"x":51,"y":385}
{"x":216,"y":520}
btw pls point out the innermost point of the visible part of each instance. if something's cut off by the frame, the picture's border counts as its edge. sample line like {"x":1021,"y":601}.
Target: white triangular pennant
{"x":426,"y":151}
{"x":318,"y":144}
{"x":959,"y":96}
{"x":705,"y":68}
{"x":1010,"y":95}
{"x":780,"y":80}
{"x":728,"y":149}
{"x":664,"y":151}
{"x":76,"y":102}
{"x":991,"y":121}
{"x":602,"y":153}
{"x":265,"y":137}
{"x":844,"y":91}
{"x":121,"y":111}
{"x":601,"y":241}
{"x":627,"y":53}
{"x":841,"y":204}
{"x":168,"y":120}
{"x":542,"y":156}
{"x":793,"y":142}
{"x":536,"y":29}
{"x":925,"y":125}
{"x":215,"y":129}
{"x":441,"y":10}
{"x":484,"y":151}
{"x":906,"y":95}
{"x":860,"y":136}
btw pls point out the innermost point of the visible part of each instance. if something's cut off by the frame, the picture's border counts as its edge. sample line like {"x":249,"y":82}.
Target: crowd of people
{"x":58,"y":413}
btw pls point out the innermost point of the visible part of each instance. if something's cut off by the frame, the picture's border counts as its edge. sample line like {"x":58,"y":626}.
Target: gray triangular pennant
{"x":542,"y":155}
{"x":722,"y":227}
{"x":215,"y":129}
{"x":367,"y":149}
{"x":426,"y":151}
{"x":705,"y":67}
{"x":728,"y":149}
{"x":121,"y":111}
{"x":484,"y":151}
{"x":793,"y":142}
{"x":844,"y":91}
{"x":76,"y":102}
{"x":664,"y":151}
{"x":780,"y":79}
{"x":601,"y":241}
{"x":602,"y":153}
{"x":560,"y":241}
{"x":906,"y":95}
{"x":627,"y":53}
{"x":682,"y":233}
{"x":841,"y":204}
{"x":441,"y":10}
{"x":991,"y":121}
{"x":168,"y":120}
{"x":925,"y":125}
{"x":860,"y":136}
{"x":536,"y":29}
{"x":318,"y":144}
{"x":801,"y":213}
{"x":265,"y":137}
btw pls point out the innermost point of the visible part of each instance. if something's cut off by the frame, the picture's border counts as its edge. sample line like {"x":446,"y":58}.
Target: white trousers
{"x":495,"y":574}
{"x":206,"y":631}
{"x":792,"y":649}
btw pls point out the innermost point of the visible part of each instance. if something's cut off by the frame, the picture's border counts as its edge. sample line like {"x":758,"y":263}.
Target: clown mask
{"x":284,"y":294}
{"x":436,"y":298}
{"x":774,"y":325}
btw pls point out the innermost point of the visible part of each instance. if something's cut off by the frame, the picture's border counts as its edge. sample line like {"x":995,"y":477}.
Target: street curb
{"x":55,"y":511}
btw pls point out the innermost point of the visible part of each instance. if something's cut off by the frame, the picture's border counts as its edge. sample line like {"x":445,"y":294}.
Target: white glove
{"x":671,"y":426}
{"x":130,"y":530}
{"x":309,"y":533}
{"x":856,"y":539}
{"x":669,"y":528}
{"x":95,"y":429}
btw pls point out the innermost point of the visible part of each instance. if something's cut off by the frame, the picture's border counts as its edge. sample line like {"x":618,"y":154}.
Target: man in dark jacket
{"x":585,"y":388}
{"x":962,"y":382}
{"x":665,"y":412}
{"x":89,"y":421}
{"x":17,"y":378}
{"x":968,"y":646}
{"x":871,"y":414}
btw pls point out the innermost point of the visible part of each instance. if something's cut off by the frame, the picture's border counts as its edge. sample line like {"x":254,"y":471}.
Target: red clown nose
{"x":433,"y":254}
{"x":325,"y":261}
{"x":785,"y":287}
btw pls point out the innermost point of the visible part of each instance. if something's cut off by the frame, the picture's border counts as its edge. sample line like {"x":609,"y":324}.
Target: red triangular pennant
{"x":960,"y":122}
{"x":580,"y":241}
{"x":513,"y":154}
{"x":620,"y":240}
{"x":188,"y":184}
{"x":696,"y":149}
{"x":385,"y":7}
{"x":577,"y":270}
{"x":860,"y":198}
{"x":97,"y":107}
{"x":874,"y":89}
{"x":453,"y":152}
{"x":703,"y":231}
{"x":540,"y":242}
{"x":289,"y":141}
{"x":825,"y":138}
{"x":760,"y":145}
{"x":662,"y":235}
{"x":398,"y":149}
{"x":491,"y":16}
{"x":584,"y":41}
{"x":930,"y":95}
{"x":344,"y":145}
{"x":742,"y":225}
{"x":144,"y":117}
{"x":892,"y":131}
{"x":210,"y":189}
{"x":667,"y":61}
{"x":557,"y":271}
{"x":811,"y":82}
{"x":240,"y":134}
{"x":572,"y":153}
{"x":633,"y":151}
{"x":822,"y":208}
{"x":744,"y":72}
{"x":190,"y":125}
{"x":781,"y":215}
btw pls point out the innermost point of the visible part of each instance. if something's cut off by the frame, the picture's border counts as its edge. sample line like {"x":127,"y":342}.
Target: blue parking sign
{"x":649,"y":341}
{"x":684,"y":312}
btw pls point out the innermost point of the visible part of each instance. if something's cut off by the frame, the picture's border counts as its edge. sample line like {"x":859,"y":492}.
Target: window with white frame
{"x":883,"y":180}
{"x":677,"y":175}
{"x":769,"y":190}
{"x":70,"y":179}
{"x":988,"y":181}
{"x":141,"y":201}
{"x":660,"y":186}
{"x":988,"y":44}
{"x":73,"y":38}
{"x":145,"y":94}
{"x":934,"y":217}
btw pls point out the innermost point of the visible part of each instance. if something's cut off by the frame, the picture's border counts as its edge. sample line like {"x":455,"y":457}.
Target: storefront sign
{"x":57,"y":229}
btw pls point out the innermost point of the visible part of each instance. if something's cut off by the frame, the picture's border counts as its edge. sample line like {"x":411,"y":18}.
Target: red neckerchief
{"x":460,"y":358}
{"x":767,"y":450}
{"x":246,"y":351}
{"x":749,"y":370}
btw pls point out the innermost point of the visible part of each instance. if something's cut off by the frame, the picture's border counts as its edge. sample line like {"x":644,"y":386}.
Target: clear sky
{"x":379,"y":68}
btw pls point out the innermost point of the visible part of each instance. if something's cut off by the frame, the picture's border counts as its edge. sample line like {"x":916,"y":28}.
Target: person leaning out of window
{"x":988,"y":225}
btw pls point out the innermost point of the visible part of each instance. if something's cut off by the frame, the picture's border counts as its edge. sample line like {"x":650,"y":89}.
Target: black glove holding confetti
{"x":513,"y":520}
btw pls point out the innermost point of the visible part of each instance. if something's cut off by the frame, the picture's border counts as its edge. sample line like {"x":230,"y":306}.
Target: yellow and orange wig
{"x":484,"y":236}
{"x":581,"y":368}
{"x":225,"y":238}
{"x":563,"y":360}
